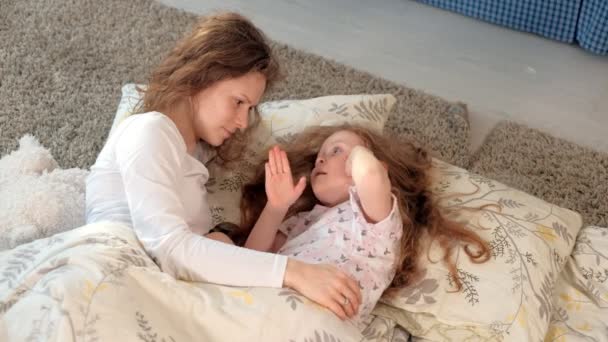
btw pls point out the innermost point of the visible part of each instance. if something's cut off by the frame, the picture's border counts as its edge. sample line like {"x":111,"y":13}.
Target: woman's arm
{"x":372,"y":183}
{"x":149,"y":154}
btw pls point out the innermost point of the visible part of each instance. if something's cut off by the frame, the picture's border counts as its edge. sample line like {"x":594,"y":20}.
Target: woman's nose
{"x":320,"y":161}
{"x":242,"y":119}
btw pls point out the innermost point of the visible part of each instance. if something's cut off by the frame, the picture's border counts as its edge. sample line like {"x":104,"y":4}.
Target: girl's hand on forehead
{"x":280,"y":188}
{"x":359,"y":160}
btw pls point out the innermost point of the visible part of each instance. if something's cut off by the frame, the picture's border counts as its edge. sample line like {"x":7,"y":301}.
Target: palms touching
{"x":280,"y":188}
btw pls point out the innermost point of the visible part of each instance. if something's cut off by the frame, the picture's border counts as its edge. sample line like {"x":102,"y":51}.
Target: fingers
{"x":349,"y":289}
{"x":336,"y":308}
{"x":346,"y":293}
{"x":272,"y":161}
{"x":352,"y":302}
{"x":355,"y":291}
{"x":284,"y":162}
{"x":278,"y":157}
{"x":345,"y":302}
{"x":325,"y":285}
{"x":278,"y":161}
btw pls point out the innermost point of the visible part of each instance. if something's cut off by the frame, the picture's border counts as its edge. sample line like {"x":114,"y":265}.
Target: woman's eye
{"x":239,"y":102}
{"x":336,"y":150}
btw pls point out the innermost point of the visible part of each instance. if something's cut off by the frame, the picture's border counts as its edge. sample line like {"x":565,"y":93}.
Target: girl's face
{"x":224,"y":107}
{"x":329,"y":180}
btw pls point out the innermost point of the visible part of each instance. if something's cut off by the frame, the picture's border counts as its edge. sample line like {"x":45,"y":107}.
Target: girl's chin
{"x":328,"y":198}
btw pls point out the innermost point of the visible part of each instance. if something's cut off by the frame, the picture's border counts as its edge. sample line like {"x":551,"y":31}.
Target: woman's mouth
{"x":227,"y":134}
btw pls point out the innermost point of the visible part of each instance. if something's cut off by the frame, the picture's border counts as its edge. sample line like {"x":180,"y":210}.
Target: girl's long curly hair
{"x":221,"y":46}
{"x":408,"y":170}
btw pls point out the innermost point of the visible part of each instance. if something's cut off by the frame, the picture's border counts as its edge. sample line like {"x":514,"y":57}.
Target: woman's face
{"x":224,"y":107}
{"x":329,"y":179}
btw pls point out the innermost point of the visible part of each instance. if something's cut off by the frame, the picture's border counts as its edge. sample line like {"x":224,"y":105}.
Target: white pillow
{"x":280,"y":121}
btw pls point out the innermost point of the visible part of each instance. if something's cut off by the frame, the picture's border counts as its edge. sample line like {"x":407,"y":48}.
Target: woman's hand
{"x":280,"y":189}
{"x":325,"y":285}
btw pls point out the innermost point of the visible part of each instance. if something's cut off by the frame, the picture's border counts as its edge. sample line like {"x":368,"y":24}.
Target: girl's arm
{"x":281,"y":193}
{"x":265,"y":230}
{"x":372,"y":183}
{"x":279,"y":241}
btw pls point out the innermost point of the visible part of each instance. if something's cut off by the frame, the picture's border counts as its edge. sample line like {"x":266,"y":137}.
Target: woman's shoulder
{"x":148,"y":120}
{"x":149,"y":124}
{"x":151,"y":129}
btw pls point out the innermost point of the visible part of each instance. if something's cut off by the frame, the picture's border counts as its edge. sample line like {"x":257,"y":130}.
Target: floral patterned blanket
{"x":96,"y":283}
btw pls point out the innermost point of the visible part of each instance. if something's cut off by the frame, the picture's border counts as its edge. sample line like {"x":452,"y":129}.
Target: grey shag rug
{"x":553,"y":169}
{"x":63,"y":62}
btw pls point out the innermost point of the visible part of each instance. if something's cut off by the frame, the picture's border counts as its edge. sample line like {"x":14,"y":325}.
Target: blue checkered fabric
{"x":592,"y":31}
{"x":554,"y":19}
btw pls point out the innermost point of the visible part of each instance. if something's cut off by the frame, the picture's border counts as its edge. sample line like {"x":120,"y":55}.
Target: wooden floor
{"x":500,"y":73}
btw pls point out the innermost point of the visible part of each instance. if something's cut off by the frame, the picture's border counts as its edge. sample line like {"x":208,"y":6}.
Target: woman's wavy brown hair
{"x":408,"y":170}
{"x":221,"y":46}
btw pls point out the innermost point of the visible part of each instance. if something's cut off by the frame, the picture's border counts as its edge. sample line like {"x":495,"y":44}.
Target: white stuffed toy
{"x":38,"y":199}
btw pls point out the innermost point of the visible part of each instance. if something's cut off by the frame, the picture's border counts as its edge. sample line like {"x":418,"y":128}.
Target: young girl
{"x":368,"y":207}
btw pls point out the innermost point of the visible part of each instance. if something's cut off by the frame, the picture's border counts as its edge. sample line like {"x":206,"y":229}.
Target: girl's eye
{"x":239,"y":102}
{"x":336,"y":150}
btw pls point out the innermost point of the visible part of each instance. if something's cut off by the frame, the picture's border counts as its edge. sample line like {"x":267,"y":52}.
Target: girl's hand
{"x":280,"y":189}
{"x":360,"y":161}
{"x":325,"y":285}
{"x":371,"y":179}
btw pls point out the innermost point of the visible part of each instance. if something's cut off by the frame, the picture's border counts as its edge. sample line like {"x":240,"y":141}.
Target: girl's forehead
{"x":343,"y":136}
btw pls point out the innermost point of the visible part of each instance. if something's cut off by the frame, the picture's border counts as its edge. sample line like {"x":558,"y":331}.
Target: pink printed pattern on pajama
{"x":341,"y":236}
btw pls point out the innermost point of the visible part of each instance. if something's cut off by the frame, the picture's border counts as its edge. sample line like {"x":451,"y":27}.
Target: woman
{"x":150,"y":174}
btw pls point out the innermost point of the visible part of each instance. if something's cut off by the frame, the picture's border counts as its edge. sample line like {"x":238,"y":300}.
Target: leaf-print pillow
{"x":281,"y":120}
{"x":580,"y":297}
{"x":510,"y":296}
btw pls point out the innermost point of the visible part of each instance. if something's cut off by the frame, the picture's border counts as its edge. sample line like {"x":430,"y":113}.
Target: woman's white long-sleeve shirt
{"x":145,"y":177}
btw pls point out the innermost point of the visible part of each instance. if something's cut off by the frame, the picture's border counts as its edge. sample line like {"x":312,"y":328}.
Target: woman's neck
{"x":181,"y":115}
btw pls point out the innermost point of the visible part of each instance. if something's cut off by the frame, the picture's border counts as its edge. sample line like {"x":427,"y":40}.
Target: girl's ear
{"x":385,"y":165}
